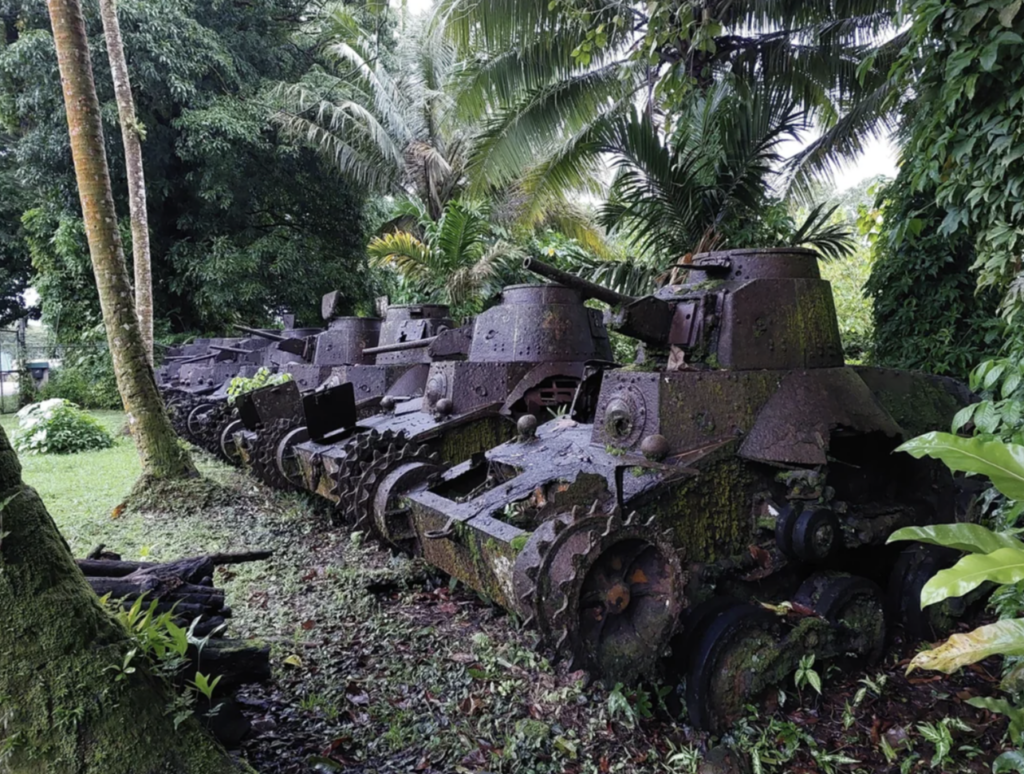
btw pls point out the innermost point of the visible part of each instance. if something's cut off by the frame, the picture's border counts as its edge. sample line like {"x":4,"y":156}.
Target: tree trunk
{"x":131,"y":135}
{"x":162,"y":456}
{"x":66,"y":706}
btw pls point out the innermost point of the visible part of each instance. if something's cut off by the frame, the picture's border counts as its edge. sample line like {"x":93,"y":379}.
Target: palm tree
{"x":455,"y":259}
{"x":384,"y":119}
{"x":162,"y":456}
{"x":542,"y":73}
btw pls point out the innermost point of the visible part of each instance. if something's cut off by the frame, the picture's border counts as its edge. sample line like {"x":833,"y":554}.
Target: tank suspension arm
{"x":400,"y":346}
{"x":586,"y":289}
{"x":261,"y":334}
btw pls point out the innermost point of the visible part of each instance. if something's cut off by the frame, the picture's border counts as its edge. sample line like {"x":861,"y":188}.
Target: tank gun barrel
{"x":585,"y":288}
{"x":261,"y":334}
{"x":196,"y":358}
{"x":236,"y":350}
{"x":400,"y":346}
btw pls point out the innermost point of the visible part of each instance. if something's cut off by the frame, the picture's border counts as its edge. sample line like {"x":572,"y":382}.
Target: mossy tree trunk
{"x":131,"y":136}
{"x":162,"y":456}
{"x":63,"y":709}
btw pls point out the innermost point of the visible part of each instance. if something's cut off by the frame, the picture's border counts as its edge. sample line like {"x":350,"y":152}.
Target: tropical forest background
{"x":292,"y":148}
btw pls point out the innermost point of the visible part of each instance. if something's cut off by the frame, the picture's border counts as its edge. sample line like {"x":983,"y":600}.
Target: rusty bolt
{"x":444,"y":407}
{"x":527,"y":427}
{"x":655,"y":447}
{"x":387,"y":403}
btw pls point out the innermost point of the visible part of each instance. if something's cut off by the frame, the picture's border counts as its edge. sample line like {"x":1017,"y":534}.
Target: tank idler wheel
{"x":227,"y":445}
{"x":856,"y":606}
{"x":287,"y":463}
{"x":732,"y":662}
{"x":198,"y":416}
{"x":914,"y":568}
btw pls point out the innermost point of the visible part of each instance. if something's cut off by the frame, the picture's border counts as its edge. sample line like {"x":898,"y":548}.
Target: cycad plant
{"x":704,"y":184}
{"x":455,"y":259}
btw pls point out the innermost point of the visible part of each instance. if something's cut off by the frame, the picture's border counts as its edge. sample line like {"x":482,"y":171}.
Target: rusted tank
{"x":742,"y":464}
{"x":526,"y":355}
{"x":370,"y":358}
{"x":196,"y":396}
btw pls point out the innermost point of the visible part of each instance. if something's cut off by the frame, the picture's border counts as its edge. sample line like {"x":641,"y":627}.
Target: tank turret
{"x":742,"y":309}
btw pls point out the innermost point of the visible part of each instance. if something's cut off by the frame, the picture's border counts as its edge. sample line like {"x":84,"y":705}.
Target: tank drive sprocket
{"x":604,"y":591}
{"x":264,"y":457}
{"x":358,"y":452}
{"x":396,"y":465}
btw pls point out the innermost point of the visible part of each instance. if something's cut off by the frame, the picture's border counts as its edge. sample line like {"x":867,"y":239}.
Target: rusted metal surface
{"x":749,"y":452}
{"x":411,"y":323}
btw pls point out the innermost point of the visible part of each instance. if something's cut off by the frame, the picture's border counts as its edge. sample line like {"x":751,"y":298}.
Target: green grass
{"x":81,"y":490}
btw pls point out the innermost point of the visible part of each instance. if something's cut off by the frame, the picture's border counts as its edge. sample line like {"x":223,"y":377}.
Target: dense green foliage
{"x":966,"y":140}
{"x":85,"y":377}
{"x":928,"y":314}
{"x":58,"y":427}
{"x":243,"y":223}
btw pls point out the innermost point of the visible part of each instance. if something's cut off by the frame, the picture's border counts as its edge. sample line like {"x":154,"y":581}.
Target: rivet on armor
{"x":527,"y":427}
{"x":655,"y":447}
{"x":444,"y":407}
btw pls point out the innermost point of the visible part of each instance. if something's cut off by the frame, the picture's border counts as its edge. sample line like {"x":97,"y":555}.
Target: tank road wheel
{"x":604,"y":592}
{"x":264,"y":456}
{"x":730,"y":664}
{"x":384,"y":480}
{"x":914,"y":568}
{"x":854,"y":604}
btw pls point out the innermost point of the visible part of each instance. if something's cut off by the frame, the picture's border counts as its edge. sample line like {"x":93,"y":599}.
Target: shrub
{"x":240,"y":385}
{"x":86,"y":379}
{"x":56,"y":426}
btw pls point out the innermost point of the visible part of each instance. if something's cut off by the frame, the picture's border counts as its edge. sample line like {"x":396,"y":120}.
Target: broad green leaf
{"x":1002,"y":462}
{"x":963,"y":416}
{"x":963,"y":537}
{"x":1009,"y":761}
{"x":999,"y":638}
{"x":1003,"y":566}
{"x":1009,"y":11}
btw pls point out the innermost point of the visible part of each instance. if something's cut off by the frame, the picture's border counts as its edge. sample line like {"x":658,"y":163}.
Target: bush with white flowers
{"x":58,"y":426}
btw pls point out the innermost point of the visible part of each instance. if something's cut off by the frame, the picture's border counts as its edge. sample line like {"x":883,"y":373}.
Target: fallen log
{"x":235,"y":661}
{"x":191,"y":570}
{"x":186,"y":593}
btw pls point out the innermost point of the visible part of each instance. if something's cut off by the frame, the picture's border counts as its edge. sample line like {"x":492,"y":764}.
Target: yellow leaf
{"x":293,"y":660}
{"x":1000,"y":638}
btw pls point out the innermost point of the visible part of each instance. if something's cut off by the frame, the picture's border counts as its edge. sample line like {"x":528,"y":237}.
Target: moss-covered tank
{"x":722,"y":512}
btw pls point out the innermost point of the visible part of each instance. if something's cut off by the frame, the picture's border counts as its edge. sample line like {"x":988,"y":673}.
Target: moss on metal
{"x":459,"y":443}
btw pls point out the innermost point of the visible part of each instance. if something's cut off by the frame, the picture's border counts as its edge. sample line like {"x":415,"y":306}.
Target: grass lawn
{"x":81,"y":490}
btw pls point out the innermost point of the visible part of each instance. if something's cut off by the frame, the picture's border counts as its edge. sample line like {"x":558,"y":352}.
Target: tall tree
{"x":61,"y":710}
{"x":131,"y":136}
{"x":162,"y":456}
